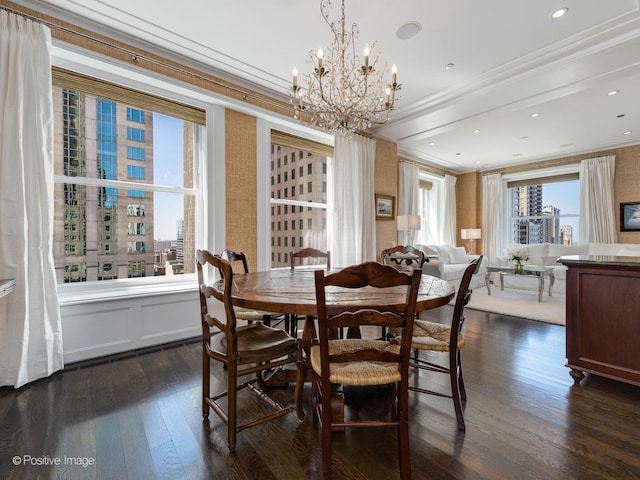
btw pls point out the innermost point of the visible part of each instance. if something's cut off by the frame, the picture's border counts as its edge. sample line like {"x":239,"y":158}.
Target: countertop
{"x":609,"y":260}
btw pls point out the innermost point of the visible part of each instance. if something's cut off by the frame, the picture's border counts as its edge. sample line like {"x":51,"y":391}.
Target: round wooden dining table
{"x":294,"y":292}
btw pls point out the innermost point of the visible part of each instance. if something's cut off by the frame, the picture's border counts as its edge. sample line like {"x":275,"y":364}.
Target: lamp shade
{"x":408,"y":223}
{"x":470,"y":233}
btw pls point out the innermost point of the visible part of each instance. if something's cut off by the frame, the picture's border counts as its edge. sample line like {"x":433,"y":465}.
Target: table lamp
{"x":470,"y":234}
{"x":408,"y":224}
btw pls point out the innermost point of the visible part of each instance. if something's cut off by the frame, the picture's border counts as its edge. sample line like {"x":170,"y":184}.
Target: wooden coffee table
{"x":529,"y":270}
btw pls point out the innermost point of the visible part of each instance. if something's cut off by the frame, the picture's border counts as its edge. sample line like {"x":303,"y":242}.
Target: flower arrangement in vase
{"x":518,"y":257}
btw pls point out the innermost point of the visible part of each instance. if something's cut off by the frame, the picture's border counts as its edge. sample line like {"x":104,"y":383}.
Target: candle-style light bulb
{"x":394,"y":71}
{"x":320,"y":55}
{"x":367,"y":51}
{"x":295,"y":77}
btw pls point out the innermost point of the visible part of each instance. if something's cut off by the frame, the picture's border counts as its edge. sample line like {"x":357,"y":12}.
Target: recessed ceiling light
{"x":564,"y":145}
{"x":518,"y":154}
{"x":449,"y":66}
{"x":476,"y":131}
{"x":620,"y":116}
{"x":408,"y":30}
{"x":613,"y":92}
{"x":560,"y":12}
{"x":524,"y":138}
{"x":536,"y":114}
{"x":628,"y":132}
{"x":459,"y":152}
{"x":432,"y":143}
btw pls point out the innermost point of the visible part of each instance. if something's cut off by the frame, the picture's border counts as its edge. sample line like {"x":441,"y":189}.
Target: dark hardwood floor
{"x":139,"y":417}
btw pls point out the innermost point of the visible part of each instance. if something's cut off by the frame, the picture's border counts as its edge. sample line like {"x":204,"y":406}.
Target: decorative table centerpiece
{"x":518,"y":257}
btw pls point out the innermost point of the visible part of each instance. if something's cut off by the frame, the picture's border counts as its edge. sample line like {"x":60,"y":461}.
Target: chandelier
{"x":344,"y":95}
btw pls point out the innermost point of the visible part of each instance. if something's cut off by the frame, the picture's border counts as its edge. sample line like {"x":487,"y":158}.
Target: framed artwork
{"x":385,"y":207}
{"x":630,"y":217}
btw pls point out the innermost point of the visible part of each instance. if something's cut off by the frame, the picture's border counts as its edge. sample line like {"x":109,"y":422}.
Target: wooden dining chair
{"x":245,"y":351}
{"x":386,"y":257}
{"x":310,"y":253}
{"x":438,"y":337}
{"x":301,"y":254}
{"x":248,"y":314}
{"x":363,"y":362}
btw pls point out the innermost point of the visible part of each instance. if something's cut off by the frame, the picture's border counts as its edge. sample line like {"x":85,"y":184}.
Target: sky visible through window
{"x":566,"y":197}
{"x":168,"y":170}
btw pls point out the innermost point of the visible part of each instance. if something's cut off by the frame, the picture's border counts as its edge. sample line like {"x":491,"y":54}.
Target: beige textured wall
{"x":469,"y":206}
{"x":627,"y":186}
{"x":386,"y":183}
{"x":241,"y":184}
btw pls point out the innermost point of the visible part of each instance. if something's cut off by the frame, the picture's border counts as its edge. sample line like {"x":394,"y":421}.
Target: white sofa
{"x":547,"y":254}
{"x":449,"y":263}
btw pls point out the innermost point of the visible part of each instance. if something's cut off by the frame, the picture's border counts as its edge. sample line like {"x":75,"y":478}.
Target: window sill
{"x":69,"y":295}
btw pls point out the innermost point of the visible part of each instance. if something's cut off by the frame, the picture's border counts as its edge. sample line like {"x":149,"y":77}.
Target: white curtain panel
{"x":493,"y":217}
{"x":430,"y":232}
{"x":408,"y":196}
{"x":449,"y":211}
{"x":352,"y":198}
{"x":432,"y":213}
{"x":30,"y":325}
{"x":597,"y":208}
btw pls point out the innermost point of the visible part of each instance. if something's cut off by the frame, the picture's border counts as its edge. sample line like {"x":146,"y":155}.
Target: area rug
{"x":520,"y":303}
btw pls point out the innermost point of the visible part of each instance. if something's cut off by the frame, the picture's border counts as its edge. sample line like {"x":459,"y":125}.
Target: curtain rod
{"x":425,"y":168}
{"x":135,"y":57}
{"x":550,"y":164}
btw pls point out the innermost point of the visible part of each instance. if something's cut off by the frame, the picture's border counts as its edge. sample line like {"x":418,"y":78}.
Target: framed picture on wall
{"x":630,"y":217}
{"x":385,"y":207}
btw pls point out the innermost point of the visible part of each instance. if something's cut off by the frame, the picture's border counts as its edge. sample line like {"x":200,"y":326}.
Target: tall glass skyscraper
{"x":101,"y":232}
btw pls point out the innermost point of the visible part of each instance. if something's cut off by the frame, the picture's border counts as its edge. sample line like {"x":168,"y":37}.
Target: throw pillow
{"x":428,"y":249}
{"x":537,"y":252}
{"x":457,"y":254}
{"x":441,"y":251}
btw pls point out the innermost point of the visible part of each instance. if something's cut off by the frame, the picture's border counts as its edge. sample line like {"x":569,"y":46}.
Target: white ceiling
{"x":511,"y":60}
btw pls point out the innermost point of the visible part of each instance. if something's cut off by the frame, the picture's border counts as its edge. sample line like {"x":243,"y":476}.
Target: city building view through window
{"x":124,"y":197}
{"x":545,"y":213}
{"x":298,"y":202}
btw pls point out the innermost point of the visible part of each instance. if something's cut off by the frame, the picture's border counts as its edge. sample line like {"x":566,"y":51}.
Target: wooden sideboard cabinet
{"x":603,"y":316}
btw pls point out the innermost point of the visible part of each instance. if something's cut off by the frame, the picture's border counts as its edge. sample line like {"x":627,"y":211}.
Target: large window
{"x":292,"y":205}
{"x":544,"y":210}
{"x":124,"y":186}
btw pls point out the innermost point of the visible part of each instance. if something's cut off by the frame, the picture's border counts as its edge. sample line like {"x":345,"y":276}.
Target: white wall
{"x":112,"y":326}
